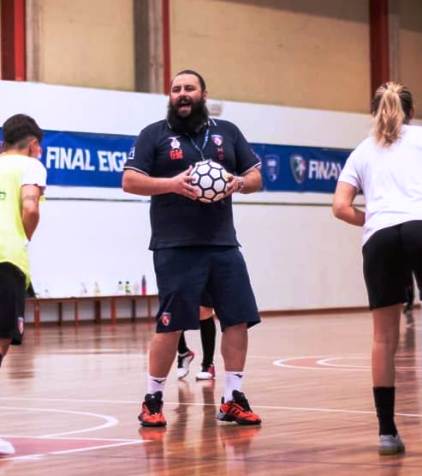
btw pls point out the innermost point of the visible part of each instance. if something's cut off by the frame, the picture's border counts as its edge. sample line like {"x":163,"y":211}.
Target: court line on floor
{"x":331,"y":362}
{"x":320,"y":362}
{"x":110,"y":421}
{"x":200,"y":404}
{"x":75,"y":438}
{"x":37,"y":456}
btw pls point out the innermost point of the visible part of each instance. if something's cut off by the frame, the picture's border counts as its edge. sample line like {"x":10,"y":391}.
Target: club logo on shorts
{"x":298,"y":167}
{"x":217,"y":139}
{"x":165,"y":318}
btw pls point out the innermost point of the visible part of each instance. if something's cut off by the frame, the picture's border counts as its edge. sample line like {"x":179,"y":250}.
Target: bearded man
{"x":194,"y":244}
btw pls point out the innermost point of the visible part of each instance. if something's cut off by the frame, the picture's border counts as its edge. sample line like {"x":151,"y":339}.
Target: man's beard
{"x":192,"y":123}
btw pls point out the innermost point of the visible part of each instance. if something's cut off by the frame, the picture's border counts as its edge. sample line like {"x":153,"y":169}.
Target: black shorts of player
{"x":183,"y":274}
{"x":389,"y":258}
{"x":12,"y":303}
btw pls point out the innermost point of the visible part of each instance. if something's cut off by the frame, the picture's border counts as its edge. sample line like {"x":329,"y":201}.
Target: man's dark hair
{"x":18,"y":128}
{"x":200,"y":78}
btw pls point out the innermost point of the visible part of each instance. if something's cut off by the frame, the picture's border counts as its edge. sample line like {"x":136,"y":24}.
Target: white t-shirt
{"x":390,"y":179}
{"x":34,"y":173}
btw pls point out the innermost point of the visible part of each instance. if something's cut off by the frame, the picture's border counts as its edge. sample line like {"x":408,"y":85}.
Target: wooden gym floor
{"x":70,"y":396}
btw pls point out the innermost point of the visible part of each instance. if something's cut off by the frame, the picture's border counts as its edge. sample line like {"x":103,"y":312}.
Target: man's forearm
{"x":252,"y":182}
{"x":139,"y":184}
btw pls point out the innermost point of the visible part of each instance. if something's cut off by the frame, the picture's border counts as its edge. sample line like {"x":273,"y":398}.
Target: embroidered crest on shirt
{"x":176,"y":153}
{"x":218,"y":141}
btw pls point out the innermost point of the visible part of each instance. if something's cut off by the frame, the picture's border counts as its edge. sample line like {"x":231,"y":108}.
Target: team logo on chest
{"x":218,"y":141}
{"x":176,"y":153}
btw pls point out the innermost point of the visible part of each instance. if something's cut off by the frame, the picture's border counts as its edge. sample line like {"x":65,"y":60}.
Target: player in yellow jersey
{"x":22,"y":183}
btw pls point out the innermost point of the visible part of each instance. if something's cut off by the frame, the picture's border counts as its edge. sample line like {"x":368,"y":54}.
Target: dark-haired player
{"x":22,"y":182}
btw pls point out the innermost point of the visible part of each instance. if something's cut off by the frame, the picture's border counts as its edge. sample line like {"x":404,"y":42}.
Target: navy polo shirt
{"x":176,"y":220}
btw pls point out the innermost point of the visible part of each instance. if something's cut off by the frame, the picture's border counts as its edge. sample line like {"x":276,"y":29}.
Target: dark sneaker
{"x":183,"y":362}
{"x":390,"y":445}
{"x":238,"y":410}
{"x":207,"y":373}
{"x":152,"y":410}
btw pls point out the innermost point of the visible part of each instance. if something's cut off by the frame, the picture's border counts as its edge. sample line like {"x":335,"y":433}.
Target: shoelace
{"x":242,"y":401}
{"x":153,"y":405}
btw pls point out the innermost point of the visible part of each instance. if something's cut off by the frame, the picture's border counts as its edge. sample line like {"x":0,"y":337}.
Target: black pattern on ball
{"x":210,"y":180}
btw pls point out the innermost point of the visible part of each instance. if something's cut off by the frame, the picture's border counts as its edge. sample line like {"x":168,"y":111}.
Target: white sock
{"x":232,"y":381}
{"x":155,"y":384}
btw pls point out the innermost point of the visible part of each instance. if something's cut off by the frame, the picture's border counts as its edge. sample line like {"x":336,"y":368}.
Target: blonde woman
{"x":387,"y":168}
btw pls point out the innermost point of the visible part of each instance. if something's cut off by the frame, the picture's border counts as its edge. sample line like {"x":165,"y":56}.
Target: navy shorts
{"x":12,"y":303}
{"x":390,"y":257}
{"x":186,"y":274}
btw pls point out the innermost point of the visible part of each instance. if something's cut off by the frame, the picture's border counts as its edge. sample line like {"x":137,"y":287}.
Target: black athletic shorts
{"x":389,"y":258}
{"x":12,"y":303}
{"x":185,"y":273}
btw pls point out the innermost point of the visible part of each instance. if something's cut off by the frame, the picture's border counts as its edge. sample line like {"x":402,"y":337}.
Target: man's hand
{"x":182,"y":185}
{"x":235,"y":184}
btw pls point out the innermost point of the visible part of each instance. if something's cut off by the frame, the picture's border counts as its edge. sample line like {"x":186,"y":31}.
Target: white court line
{"x":283,"y":363}
{"x":85,"y":438}
{"x":322,"y":363}
{"x":327,"y":363}
{"x":38,"y":456}
{"x":110,"y":420}
{"x":199,"y":404}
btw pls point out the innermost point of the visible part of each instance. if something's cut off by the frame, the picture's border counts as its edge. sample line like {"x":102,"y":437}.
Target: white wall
{"x":299,"y":257}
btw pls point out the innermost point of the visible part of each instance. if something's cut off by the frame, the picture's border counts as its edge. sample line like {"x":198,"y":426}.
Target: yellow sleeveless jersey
{"x":14,"y":170}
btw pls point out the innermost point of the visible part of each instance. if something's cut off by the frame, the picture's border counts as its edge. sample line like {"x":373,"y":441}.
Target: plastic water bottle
{"x":84,"y":290}
{"x":97,"y":291}
{"x":136,"y":288}
{"x":120,"y":289}
{"x":127,"y":288}
{"x":144,"y":285}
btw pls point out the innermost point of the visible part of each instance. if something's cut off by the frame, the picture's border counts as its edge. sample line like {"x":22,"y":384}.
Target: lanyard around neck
{"x":204,"y":144}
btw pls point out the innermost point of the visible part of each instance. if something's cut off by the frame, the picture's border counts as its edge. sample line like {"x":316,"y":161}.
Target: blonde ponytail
{"x":392,"y":107}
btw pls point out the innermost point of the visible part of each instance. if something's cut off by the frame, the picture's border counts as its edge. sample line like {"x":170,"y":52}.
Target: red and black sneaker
{"x":152,"y":410}
{"x":238,"y":410}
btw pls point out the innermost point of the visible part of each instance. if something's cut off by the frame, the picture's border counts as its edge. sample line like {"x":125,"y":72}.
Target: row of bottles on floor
{"x":123,"y":288}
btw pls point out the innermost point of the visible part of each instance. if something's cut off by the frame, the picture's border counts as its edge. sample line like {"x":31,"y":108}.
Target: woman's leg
{"x":184,"y":357}
{"x":386,"y":326}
